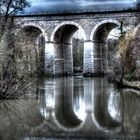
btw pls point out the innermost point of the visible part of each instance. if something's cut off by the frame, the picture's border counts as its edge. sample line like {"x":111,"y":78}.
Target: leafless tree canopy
{"x":137,"y":5}
{"x":13,"y":81}
{"x":10,"y":7}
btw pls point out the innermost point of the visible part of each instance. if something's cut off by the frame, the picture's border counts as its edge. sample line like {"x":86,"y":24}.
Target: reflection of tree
{"x":18,"y":117}
{"x":123,"y":111}
{"x":23,"y":117}
{"x":131,"y":113}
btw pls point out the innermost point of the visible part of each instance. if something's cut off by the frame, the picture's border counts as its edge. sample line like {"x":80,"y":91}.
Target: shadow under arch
{"x":67,"y":23}
{"x":62,"y":39}
{"x":99,"y":36}
{"x":35,"y":26}
{"x":30,"y":40}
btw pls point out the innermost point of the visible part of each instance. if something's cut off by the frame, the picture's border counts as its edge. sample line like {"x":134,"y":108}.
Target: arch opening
{"x":31,"y":44}
{"x":103,"y":48}
{"x":66,"y":45}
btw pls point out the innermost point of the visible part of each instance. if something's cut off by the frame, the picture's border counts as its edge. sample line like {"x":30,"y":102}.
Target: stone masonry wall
{"x":88,"y":23}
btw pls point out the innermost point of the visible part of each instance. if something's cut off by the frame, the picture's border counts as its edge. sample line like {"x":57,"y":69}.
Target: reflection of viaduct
{"x":86,"y":106}
{"x":58,"y":31}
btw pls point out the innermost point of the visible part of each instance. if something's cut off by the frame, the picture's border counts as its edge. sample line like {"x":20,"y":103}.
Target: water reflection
{"x":64,"y":103}
{"x":71,"y":106}
{"x":17,"y":117}
{"x":79,"y":98}
{"x":104,"y":106}
{"x":115,"y":106}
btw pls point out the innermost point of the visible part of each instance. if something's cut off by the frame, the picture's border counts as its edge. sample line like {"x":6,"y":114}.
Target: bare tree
{"x":12,"y":7}
{"x":14,"y":81}
{"x":8,"y":8}
{"x":12,"y":84}
{"x":137,"y":5}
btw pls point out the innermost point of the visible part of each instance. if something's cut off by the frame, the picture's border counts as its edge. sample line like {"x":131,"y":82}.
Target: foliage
{"x":14,"y":81}
{"x":126,"y":56}
{"x":29,"y":50}
{"x":137,"y":5}
{"x":11,"y":7}
{"x":8,"y":8}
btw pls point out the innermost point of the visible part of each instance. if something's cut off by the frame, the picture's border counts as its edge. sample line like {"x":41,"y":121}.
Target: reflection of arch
{"x":67,"y":23}
{"x":76,"y":128}
{"x":64,"y":115}
{"x":101,"y":116}
{"x":96,"y":27}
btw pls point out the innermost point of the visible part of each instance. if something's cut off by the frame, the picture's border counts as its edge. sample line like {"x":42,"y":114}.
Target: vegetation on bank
{"x":14,"y":80}
{"x":128,"y":60}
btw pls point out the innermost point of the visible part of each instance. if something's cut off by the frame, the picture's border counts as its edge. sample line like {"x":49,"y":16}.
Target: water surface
{"x":72,"y":107}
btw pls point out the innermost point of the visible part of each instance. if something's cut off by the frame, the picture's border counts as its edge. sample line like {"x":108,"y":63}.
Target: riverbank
{"x":132,"y":84}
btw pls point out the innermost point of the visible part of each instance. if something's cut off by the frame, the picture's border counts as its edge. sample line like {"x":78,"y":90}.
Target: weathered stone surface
{"x":59,"y":29}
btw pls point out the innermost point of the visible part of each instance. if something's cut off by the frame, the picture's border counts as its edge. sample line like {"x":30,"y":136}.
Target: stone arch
{"x":67,"y":23}
{"x":33,"y":38}
{"x":100,"y":24}
{"x":36,"y":26}
{"x":99,"y":36}
{"x":62,"y":40}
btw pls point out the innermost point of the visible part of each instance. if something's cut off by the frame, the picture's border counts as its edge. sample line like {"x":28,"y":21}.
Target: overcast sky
{"x":56,"y":5}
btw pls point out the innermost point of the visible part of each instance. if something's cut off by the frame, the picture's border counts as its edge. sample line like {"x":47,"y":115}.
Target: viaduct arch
{"x":58,"y":31}
{"x":63,"y":49}
{"x":99,"y":36}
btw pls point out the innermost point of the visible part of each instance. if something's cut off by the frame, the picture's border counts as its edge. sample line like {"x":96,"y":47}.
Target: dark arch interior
{"x":103,"y":31}
{"x":64,"y":34}
{"x":30,"y":33}
{"x":63,"y":40}
{"x":31,"y":43}
{"x":101,"y":48}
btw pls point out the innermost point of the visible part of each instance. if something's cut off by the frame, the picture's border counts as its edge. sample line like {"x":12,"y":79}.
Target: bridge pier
{"x":68,"y":59}
{"x":100,"y":57}
{"x":63,"y":59}
{"x":92,"y":59}
{"x":88,"y":58}
{"x":49,"y":59}
{"x":58,"y":59}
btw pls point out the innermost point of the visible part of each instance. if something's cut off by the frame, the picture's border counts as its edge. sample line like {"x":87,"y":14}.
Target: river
{"x":72,"y":108}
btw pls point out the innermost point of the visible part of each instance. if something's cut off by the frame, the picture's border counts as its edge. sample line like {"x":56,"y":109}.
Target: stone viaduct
{"x":58,"y":30}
